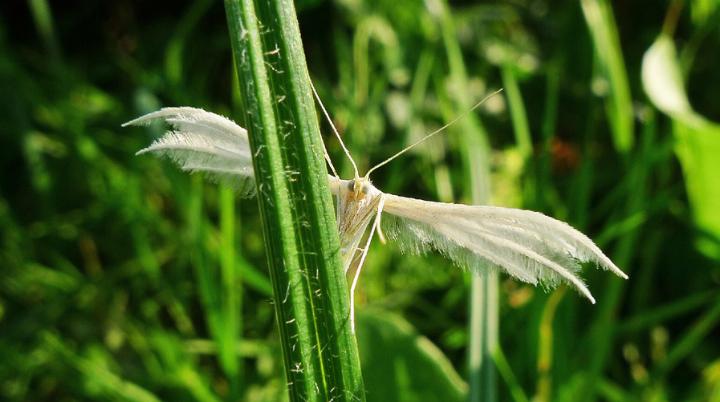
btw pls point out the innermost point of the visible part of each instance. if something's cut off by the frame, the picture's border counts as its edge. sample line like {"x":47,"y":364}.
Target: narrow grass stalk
{"x":665,"y":312}
{"x":521,"y":127}
{"x":603,"y":331}
{"x":310,"y":292}
{"x":483,"y":337}
{"x":606,"y":40}
{"x":503,"y":367}
{"x":232,"y":293}
{"x":483,"y":306}
{"x":217,"y":285}
{"x":545,"y":347}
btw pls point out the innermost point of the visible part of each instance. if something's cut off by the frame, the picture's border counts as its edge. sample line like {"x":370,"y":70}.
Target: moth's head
{"x":359,"y":186}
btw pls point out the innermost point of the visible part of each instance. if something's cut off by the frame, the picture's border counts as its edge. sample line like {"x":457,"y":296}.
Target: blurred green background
{"x":112,"y":284}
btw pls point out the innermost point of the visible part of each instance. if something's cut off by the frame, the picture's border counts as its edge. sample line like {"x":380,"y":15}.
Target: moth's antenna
{"x":325,"y":152}
{"x":337,"y":134}
{"x":438,"y":131}
{"x":329,"y":161}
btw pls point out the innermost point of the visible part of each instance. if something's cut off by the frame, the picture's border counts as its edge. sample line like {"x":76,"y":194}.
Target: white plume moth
{"x":528,"y":245}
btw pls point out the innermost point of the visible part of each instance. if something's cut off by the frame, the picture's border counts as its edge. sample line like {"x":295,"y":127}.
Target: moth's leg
{"x":381,"y":205}
{"x":375,"y":226}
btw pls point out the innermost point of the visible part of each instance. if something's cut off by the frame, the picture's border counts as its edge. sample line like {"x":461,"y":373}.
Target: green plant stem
{"x":232,"y":293}
{"x":310,"y":292}
{"x":483,"y":304}
{"x":503,"y":367}
{"x":545,"y":347}
{"x":603,"y":331}
{"x":521,"y":127}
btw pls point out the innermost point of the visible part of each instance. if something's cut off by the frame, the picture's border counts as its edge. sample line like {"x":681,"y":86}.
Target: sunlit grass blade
{"x":521,"y":127}
{"x":604,"y":32}
{"x":231,"y":293}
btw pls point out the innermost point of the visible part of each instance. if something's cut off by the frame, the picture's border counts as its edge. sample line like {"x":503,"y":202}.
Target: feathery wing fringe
{"x":528,"y":245}
{"x":204,"y":142}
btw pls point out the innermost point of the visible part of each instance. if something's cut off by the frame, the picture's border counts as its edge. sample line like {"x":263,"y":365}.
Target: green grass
{"x":126,"y":279}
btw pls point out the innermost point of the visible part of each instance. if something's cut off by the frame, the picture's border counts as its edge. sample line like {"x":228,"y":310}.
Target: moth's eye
{"x":365,"y":188}
{"x":351,"y":185}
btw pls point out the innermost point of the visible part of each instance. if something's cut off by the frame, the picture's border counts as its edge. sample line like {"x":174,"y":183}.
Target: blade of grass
{"x":612,"y":392}
{"x":603,"y":29}
{"x":310,"y":291}
{"x":503,"y":367}
{"x":602,"y":332}
{"x":42,"y":16}
{"x":231,"y":293}
{"x":216,"y":285}
{"x":517,"y":111}
{"x":545,"y":347}
{"x":210,"y":293}
{"x":690,"y":339}
{"x":180,"y":368}
{"x":483,"y":337}
{"x":666,"y":312}
{"x":174,"y":52}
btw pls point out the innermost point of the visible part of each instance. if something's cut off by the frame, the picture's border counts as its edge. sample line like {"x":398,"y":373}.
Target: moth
{"x":527,"y":245}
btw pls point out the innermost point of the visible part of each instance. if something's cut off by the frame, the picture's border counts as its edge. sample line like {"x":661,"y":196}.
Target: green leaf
{"x":663,"y":80}
{"x":697,"y":140}
{"x":401,"y":365}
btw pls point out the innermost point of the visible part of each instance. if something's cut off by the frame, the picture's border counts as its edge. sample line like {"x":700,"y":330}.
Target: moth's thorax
{"x":357,"y":204}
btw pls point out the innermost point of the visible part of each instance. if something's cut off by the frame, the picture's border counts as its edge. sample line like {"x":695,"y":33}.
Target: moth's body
{"x":528,"y":245}
{"x":357,"y":204}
